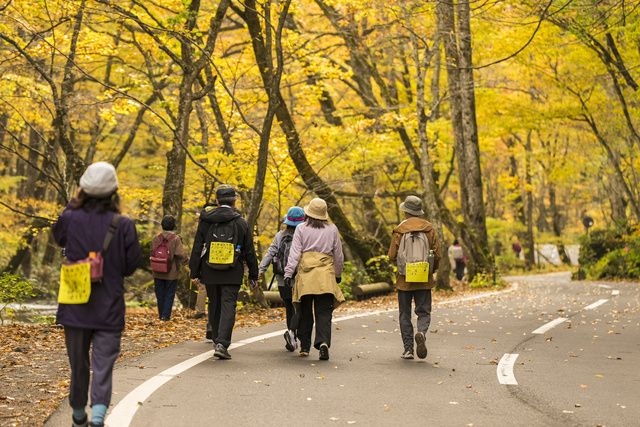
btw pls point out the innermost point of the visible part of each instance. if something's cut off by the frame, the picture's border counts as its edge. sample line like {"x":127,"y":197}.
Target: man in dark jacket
{"x":223,"y":286}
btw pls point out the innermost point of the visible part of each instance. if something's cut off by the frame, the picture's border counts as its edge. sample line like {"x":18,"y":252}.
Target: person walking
{"x":456,"y":259}
{"x":165,"y":282}
{"x":277,"y":255}
{"x":316,"y":253}
{"x":414,"y":292}
{"x":221,"y":269}
{"x":93,"y":329}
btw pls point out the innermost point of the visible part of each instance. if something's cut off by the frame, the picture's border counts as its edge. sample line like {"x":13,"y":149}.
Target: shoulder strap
{"x":111,"y":231}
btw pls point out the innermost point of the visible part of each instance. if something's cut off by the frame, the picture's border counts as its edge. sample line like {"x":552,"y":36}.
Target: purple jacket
{"x":80,"y":232}
{"x":308,"y":239}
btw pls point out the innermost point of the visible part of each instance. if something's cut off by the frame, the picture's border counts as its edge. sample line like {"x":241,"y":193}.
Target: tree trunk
{"x":461,"y":87}
{"x":360,"y":246}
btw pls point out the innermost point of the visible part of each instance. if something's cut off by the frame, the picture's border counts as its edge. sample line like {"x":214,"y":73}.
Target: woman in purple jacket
{"x":316,"y":253}
{"x":98,"y":323}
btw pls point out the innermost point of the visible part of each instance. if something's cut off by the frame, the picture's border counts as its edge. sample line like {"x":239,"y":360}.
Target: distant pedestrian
{"x":277,"y":255}
{"x":408,"y":291}
{"x":517,"y":248}
{"x":222,"y":246}
{"x":166,"y":280}
{"x":201,"y":290}
{"x":316,"y":253}
{"x":93,"y":329}
{"x":457,"y":259}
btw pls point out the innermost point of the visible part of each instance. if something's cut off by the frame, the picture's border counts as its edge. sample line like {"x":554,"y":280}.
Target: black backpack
{"x":222,"y":249}
{"x":280,"y":259}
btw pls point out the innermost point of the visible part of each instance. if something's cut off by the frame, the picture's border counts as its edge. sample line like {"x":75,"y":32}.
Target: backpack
{"x":161,"y":256}
{"x":221,"y":245}
{"x":280,"y":259}
{"x":415,"y":258}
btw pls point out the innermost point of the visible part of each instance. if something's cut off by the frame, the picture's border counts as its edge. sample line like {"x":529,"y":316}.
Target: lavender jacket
{"x":308,"y":239}
{"x":80,"y":232}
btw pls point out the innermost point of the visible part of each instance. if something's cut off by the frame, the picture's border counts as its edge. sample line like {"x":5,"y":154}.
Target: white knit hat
{"x":99,"y":180}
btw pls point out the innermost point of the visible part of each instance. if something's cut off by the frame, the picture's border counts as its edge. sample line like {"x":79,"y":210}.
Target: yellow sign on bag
{"x":417,"y":272}
{"x":221,"y":253}
{"x":75,"y":283}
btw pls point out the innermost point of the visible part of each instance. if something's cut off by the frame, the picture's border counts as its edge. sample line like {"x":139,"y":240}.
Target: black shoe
{"x":81,"y":423}
{"x":198,"y":316}
{"x":221,"y":352}
{"x":290,"y":340}
{"x":324,"y":352}
{"x":421,"y":347}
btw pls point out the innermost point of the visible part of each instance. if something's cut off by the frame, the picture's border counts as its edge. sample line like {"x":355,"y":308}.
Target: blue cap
{"x":295,"y":216}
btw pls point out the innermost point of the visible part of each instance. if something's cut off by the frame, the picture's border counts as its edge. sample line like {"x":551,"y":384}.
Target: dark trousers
{"x":320,"y":309}
{"x":459,"y":268}
{"x":222,"y":312}
{"x":422,"y":299}
{"x":105,"y":348}
{"x":285,"y":293}
{"x":165,"y":294}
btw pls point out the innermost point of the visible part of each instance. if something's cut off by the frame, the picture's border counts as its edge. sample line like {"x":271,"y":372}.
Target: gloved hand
{"x":338,"y":279}
{"x":287,"y":282}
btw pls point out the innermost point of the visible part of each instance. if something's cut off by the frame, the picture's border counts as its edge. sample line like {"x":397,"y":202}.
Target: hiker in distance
{"x":167,"y":257}
{"x":277,"y":256}
{"x":92,"y":224}
{"x":457,"y":259}
{"x":222,"y":245}
{"x":316,"y":253}
{"x":413,"y":243}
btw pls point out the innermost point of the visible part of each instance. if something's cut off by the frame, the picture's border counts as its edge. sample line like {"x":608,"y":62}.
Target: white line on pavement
{"x":505,"y":369}
{"x":544,"y":328}
{"x":596,"y":304}
{"x":124,"y":411}
{"x":615,"y":292}
{"x":122,"y":414}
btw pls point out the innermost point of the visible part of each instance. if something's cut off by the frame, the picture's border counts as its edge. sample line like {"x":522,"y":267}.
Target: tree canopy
{"x":512,"y":120}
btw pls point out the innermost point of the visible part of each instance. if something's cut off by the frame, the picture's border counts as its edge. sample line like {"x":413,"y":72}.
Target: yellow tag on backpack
{"x":417,"y":272}
{"x":221,"y":253}
{"x":75,"y":283}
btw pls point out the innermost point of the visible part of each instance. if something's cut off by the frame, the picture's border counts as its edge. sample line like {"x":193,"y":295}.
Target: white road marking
{"x":505,"y":369}
{"x":124,"y":411}
{"x":544,"y":328}
{"x":122,"y":414}
{"x":615,"y":292}
{"x":604,"y":286}
{"x":596,"y":304}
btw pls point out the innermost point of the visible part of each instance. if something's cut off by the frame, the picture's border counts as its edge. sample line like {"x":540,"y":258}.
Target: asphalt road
{"x":546,"y":352}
